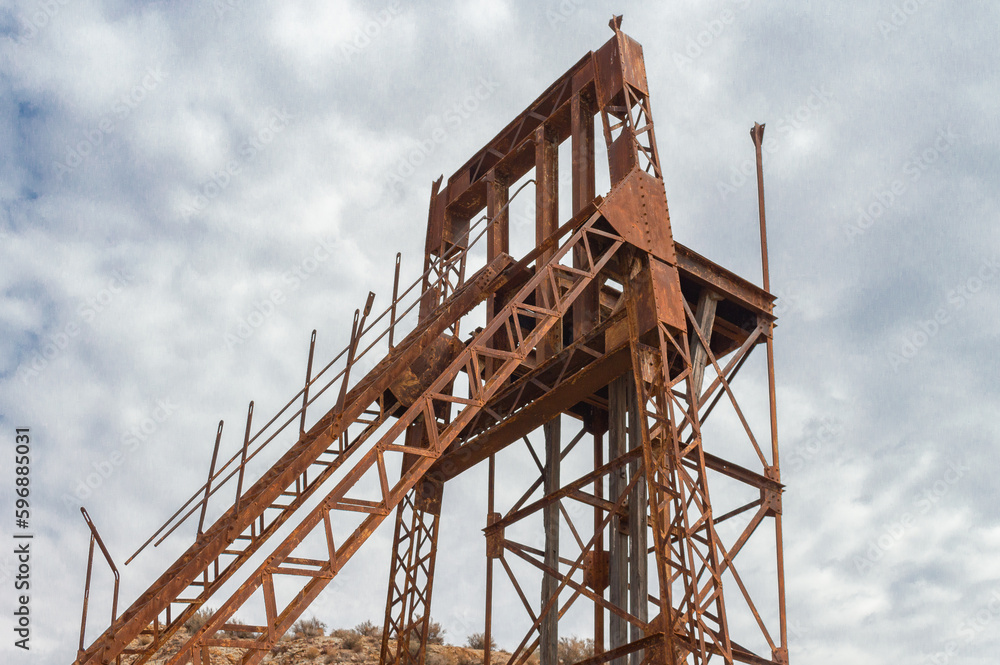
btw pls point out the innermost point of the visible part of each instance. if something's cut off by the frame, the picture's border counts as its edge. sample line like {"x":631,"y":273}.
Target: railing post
{"x":208,"y":485}
{"x":86,"y":595}
{"x":356,"y":332}
{"x":305,"y":391}
{"x":395,"y":297}
{"x":243,"y":460}
{"x":96,"y":537}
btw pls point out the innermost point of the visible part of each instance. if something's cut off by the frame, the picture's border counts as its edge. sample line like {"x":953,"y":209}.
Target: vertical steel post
{"x":95,"y":537}
{"x":618,"y":402}
{"x":638,"y":585}
{"x":355,"y":333}
{"x":546,"y":222}
{"x":357,"y":330}
{"x":757,"y":135}
{"x":599,"y":542}
{"x":305,"y":390}
{"x":208,"y":485}
{"x":395,"y":297}
{"x":488,"y":628}
{"x":586,"y":310}
{"x":243,"y":460}
{"x":86,"y":595}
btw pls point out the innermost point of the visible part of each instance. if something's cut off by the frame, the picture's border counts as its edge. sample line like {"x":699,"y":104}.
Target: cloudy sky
{"x":174,"y":172}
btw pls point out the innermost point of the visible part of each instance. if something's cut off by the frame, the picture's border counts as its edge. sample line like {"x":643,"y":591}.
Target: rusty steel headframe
{"x":607,"y":333}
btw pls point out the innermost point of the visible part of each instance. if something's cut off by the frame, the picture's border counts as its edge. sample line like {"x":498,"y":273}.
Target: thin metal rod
{"x":86,"y":594}
{"x":350,"y":361}
{"x":488,"y":630}
{"x":395,"y":296}
{"x":305,"y":390}
{"x":598,"y":542}
{"x":208,"y":485}
{"x":243,"y":460}
{"x":757,"y":135}
{"x":96,"y":537}
{"x":170,"y":525}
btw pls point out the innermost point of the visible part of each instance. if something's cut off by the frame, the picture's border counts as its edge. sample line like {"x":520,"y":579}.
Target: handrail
{"x":96,"y":537}
{"x":307,"y":397}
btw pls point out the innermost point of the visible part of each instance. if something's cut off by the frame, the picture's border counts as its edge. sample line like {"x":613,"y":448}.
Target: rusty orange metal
{"x":607,"y":297}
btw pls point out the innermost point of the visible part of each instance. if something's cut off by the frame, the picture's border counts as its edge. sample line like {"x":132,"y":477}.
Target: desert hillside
{"x":309,"y":643}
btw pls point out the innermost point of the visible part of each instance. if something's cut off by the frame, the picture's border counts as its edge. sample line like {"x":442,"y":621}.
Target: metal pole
{"x":86,"y":595}
{"x":305,"y":391}
{"x":356,"y":332}
{"x":107,"y":556}
{"x":488,"y":632}
{"x":243,"y":460}
{"x":395,"y":297}
{"x":208,"y":485}
{"x":757,"y":135}
{"x":598,"y":544}
{"x":95,"y":537}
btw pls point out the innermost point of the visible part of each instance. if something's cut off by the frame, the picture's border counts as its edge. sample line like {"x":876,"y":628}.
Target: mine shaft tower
{"x":608,"y":344}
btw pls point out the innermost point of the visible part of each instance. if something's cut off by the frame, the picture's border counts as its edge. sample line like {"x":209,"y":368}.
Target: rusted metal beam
{"x":632,"y":307}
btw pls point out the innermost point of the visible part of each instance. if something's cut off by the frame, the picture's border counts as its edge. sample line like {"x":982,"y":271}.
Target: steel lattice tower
{"x":607,"y":342}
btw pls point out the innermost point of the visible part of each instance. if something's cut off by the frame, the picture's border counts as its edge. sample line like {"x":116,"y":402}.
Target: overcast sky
{"x":169,"y":166}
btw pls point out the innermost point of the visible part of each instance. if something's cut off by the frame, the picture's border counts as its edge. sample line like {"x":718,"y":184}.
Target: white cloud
{"x":363,"y":84}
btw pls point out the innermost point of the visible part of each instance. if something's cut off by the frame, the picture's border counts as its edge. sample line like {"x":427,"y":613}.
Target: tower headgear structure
{"x":605,"y":358}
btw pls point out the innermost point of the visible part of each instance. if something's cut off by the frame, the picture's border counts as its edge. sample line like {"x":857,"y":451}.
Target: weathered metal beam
{"x":574,"y":389}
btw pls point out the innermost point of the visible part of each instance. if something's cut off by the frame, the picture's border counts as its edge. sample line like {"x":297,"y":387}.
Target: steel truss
{"x":607,"y":332}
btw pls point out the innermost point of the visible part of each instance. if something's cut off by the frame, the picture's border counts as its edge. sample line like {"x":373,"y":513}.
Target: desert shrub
{"x":353,"y":641}
{"x":368,"y":629}
{"x":311,"y":652}
{"x":330,"y":658}
{"x":478,"y":641}
{"x":466,"y":659}
{"x":435,"y":633}
{"x":199,"y":619}
{"x":340,"y":632}
{"x":309,"y":628}
{"x":574,"y":649}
